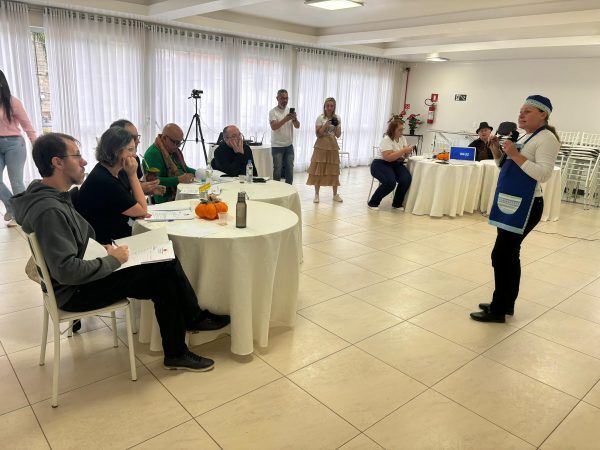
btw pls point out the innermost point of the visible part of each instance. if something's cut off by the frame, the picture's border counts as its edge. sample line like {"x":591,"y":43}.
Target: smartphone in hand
{"x":292,"y":110}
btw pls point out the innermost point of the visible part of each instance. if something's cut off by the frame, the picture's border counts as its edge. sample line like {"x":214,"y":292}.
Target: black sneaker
{"x":189,"y":361}
{"x":486,"y":308}
{"x":208,"y":321}
{"x":76,"y":325}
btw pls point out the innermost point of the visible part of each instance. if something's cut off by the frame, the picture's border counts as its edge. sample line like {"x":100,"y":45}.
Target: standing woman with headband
{"x":13,"y":121}
{"x":518,"y":202}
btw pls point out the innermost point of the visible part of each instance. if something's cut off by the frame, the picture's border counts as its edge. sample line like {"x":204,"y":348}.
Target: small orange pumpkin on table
{"x":210,"y":209}
{"x":444,"y":156}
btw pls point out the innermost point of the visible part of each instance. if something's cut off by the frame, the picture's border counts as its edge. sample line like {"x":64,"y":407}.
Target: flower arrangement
{"x":413,"y":122}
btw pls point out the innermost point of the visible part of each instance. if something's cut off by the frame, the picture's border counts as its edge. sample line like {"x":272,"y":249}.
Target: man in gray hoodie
{"x":46,"y":209}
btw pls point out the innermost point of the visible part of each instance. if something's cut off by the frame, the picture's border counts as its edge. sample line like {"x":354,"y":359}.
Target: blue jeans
{"x":12,"y":155}
{"x":388,"y":174}
{"x":283,"y":163}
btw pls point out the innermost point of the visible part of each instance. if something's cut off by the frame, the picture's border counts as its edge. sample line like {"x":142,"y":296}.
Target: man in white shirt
{"x":282,"y":135}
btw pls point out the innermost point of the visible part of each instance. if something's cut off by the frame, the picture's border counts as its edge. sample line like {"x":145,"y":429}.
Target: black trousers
{"x":388,"y":174}
{"x":507,"y":263}
{"x":175,"y":302}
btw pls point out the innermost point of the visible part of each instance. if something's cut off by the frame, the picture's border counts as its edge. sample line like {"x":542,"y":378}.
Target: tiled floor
{"x":383,"y":353}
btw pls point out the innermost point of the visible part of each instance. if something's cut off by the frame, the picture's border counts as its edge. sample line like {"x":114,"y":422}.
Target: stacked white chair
{"x":59,"y":316}
{"x":569,"y":137}
{"x":579,"y":173}
{"x":591,"y":140}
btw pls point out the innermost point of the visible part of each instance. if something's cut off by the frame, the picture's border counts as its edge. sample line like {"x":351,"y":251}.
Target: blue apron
{"x":514,"y":196}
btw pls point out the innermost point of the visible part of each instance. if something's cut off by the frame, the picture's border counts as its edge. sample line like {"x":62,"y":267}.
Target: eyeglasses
{"x":176,"y":143}
{"x":76,"y":155}
{"x":137,"y":137}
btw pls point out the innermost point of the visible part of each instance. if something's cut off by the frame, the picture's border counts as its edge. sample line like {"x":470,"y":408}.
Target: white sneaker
{"x":373,"y":208}
{"x":316,"y":199}
{"x":11,"y":223}
{"x":337,"y":198}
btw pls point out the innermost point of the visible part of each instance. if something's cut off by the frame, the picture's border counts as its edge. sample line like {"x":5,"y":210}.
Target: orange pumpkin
{"x":445,"y":156}
{"x":210,"y":210}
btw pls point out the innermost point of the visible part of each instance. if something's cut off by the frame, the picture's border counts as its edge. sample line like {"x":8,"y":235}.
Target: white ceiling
{"x":407,"y":30}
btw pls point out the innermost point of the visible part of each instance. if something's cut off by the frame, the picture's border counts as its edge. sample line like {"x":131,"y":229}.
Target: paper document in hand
{"x":165,"y":216}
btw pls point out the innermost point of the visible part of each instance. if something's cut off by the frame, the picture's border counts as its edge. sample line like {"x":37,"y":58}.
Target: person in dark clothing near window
{"x":482,"y":142}
{"x":46,"y":209}
{"x":232,"y":155}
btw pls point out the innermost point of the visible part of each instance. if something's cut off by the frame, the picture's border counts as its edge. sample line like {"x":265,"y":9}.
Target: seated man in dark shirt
{"x":103,"y":200}
{"x":482,"y":143}
{"x":46,"y":209}
{"x":232,"y":155}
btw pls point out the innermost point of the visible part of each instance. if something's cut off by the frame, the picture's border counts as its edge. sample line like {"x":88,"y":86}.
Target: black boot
{"x":483,"y":316}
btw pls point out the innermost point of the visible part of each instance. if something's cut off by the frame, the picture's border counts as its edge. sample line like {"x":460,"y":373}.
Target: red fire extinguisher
{"x":431,"y":102}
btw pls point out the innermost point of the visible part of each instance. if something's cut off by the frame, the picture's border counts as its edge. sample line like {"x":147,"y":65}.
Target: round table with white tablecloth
{"x":443,"y":189}
{"x":249,"y":273}
{"x":273,"y":192}
{"x":263,"y":159}
{"x":550,"y":191}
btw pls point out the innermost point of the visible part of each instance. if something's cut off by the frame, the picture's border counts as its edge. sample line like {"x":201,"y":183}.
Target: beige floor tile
{"x":142,"y":351}
{"x":10,"y":235}
{"x":189,"y":435}
{"x":560,"y":367}
{"x":582,"y":305}
{"x":376,"y":239}
{"x":584,"y":249}
{"x":397,"y":298}
{"x":21,"y":429}
{"x":568,"y":330}
{"x":311,"y":235}
{"x":84,"y":359}
{"x":345,"y":276}
{"x":313,"y":217}
{"x":312,"y":258}
{"x":371,"y":220}
{"x":523,"y":406}
{"x":419,"y":353}
{"x":573,"y":262}
{"x":19,"y":295}
{"x":407,"y":230}
{"x":593,"y":397}
{"x":592,"y":288}
{"x":437,"y":283}
{"x":465,"y":267}
{"x":542,"y":292}
{"x":384,"y":264}
{"x":553,"y":242}
{"x":361,"y":442}
{"x":232,"y":377}
{"x":11,"y":271}
{"x":571,"y":279}
{"x":23,"y":329}
{"x":466,"y":234}
{"x":431,"y":421}
{"x":312,"y":291}
{"x":14,"y":250}
{"x":279,"y":415}
{"x":293,"y":348}
{"x":338,"y":227}
{"x":471,"y":299}
{"x":2,"y":352}
{"x":127,"y":412}
{"x":416,"y":252}
{"x":350,"y":318}
{"x":341,"y":248}
{"x":580,"y":430}
{"x":357,"y":386}
{"x":482,"y":254}
{"x":454,"y":245}
{"x":11,"y":393}
{"x":453,"y":322}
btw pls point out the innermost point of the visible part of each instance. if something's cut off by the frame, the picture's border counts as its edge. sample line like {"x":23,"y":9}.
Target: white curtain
{"x":96,"y":71}
{"x":363,"y":88}
{"x":18,"y":64}
{"x":239,"y":77}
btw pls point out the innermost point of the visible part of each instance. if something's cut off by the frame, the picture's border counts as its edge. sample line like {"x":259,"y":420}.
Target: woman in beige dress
{"x":324,"y":169}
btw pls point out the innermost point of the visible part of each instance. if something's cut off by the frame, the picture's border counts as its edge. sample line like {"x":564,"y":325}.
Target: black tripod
{"x":197,"y":126}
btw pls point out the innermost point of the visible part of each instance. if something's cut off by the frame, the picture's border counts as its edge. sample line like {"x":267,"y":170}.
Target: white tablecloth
{"x":262,"y":158}
{"x":250,"y":273}
{"x":550,"y":191}
{"x":273,"y":192}
{"x":443,"y":189}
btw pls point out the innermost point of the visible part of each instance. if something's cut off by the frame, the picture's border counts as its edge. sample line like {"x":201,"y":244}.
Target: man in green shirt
{"x":165,"y":155}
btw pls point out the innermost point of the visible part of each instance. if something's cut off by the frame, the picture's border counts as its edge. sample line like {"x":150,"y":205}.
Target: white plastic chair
{"x":343,"y":154}
{"x":569,"y":137}
{"x":590,"y":140}
{"x":579,"y":174}
{"x":59,"y":316}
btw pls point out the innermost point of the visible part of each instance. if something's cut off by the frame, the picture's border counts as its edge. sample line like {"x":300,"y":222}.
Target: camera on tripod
{"x":196,"y":93}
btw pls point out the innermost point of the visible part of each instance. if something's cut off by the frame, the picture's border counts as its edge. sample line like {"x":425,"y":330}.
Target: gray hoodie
{"x":63,"y":235}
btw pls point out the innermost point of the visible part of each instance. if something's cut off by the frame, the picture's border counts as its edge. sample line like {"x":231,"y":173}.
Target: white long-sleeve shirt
{"x":541,"y":152}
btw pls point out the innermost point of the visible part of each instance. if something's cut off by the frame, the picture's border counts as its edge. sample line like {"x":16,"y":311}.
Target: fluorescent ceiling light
{"x":435,"y":57}
{"x":333,"y":5}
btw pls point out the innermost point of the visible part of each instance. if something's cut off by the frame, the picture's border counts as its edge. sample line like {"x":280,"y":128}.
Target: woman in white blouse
{"x":388,"y":166}
{"x":536,"y":158}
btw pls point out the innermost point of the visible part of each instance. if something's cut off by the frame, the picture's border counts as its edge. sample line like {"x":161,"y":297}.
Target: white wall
{"x":496,"y":90}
